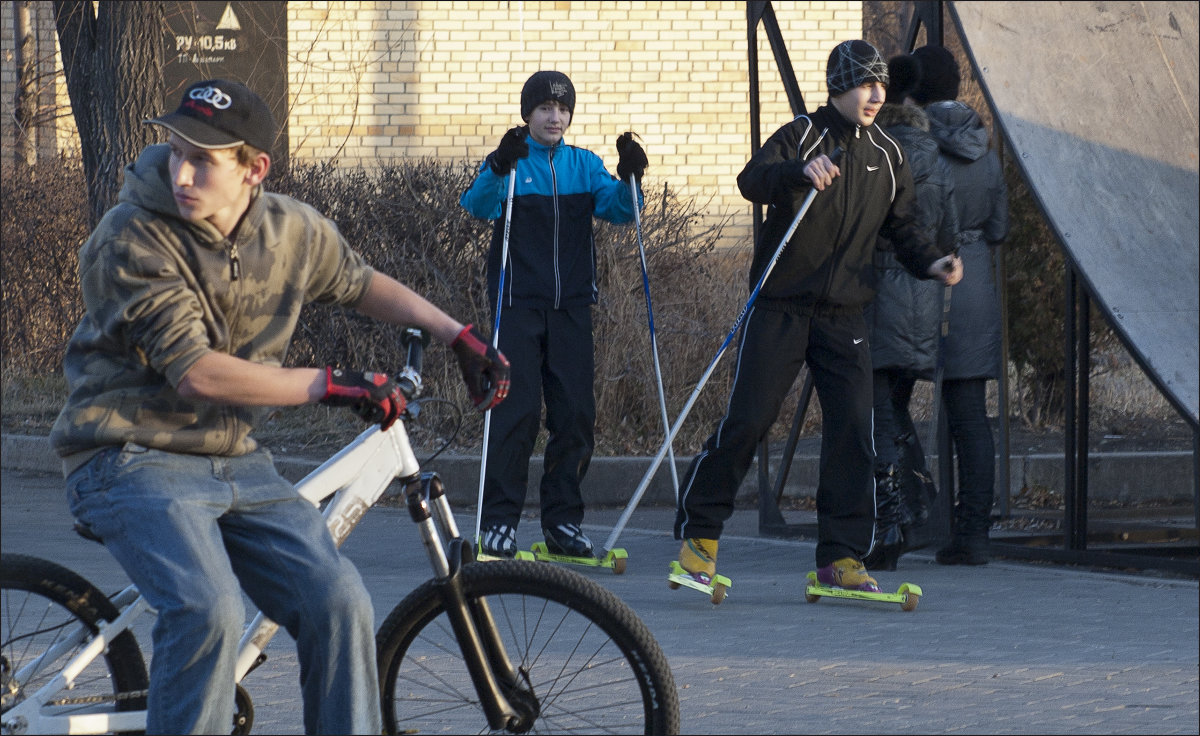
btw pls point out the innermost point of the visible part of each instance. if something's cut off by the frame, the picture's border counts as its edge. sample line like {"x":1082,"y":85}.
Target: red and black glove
{"x":372,"y":396}
{"x":632,"y":158}
{"x":485,"y":370}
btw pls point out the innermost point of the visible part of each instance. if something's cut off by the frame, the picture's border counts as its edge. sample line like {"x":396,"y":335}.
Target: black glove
{"x":511,"y":149}
{"x":484,"y":368}
{"x":633,"y":159}
{"x":372,"y":396}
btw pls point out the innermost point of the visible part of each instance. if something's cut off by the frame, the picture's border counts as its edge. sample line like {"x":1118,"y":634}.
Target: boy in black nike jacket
{"x":810,"y":309}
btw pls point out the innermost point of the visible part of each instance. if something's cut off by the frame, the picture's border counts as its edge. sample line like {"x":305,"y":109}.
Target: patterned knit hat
{"x":852,"y":63}
{"x":547,"y":85}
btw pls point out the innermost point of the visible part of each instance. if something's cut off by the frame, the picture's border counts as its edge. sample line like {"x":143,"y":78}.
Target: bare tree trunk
{"x":25,"y":99}
{"x":113,"y":57}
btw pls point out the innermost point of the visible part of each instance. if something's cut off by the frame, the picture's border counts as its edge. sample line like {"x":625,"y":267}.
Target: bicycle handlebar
{"x":414,"y":341}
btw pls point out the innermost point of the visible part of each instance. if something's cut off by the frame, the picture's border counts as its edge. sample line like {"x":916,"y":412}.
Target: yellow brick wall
{"x":375,"y":81}
{"x":443,"y":79}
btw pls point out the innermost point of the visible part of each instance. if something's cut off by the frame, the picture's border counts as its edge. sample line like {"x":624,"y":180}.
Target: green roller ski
{"x":906,"y":595}
{"x":715,"y":590}
{"x":480,"y":556}
{"x":614,"y":559}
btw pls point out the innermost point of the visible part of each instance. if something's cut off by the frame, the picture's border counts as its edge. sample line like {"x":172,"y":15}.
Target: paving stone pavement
{"x":1009,"y":647}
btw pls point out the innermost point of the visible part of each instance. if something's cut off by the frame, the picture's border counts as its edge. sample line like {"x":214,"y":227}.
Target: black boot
{"x":916,"y":484}
{"x":964,"y":551}
{"x":889,"y":516}
{"x":969,"y":538}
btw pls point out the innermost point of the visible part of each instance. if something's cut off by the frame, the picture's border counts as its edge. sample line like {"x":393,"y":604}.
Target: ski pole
{"x":662,"y":401}
{"x":487,"y":416}
{"x":687,"y":407}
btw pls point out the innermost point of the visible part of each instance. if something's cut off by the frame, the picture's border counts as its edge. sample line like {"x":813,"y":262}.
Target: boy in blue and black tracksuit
{"x":545,"y":327}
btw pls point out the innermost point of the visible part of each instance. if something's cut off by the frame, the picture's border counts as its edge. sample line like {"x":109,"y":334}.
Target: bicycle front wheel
{"x":587,"y":660}
{"x":47,"y":614}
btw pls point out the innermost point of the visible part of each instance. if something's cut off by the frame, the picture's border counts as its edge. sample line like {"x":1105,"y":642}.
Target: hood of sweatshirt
{"x":147,"y":185}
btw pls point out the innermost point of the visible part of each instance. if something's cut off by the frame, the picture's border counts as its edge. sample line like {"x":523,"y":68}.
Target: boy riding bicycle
{"x":193,"y":286}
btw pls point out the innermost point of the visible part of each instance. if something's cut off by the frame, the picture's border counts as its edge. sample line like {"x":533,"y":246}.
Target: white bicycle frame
{"x":356,"y":477}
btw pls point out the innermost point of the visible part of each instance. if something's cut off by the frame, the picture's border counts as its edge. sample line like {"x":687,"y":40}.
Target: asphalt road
{"x":1005,"y":648}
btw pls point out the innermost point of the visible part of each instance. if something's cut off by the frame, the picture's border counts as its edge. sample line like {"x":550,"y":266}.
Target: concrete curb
{"x":1112,"y":476}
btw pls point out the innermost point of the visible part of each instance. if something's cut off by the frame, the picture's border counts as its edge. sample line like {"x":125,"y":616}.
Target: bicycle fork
{"x":492,"y":672}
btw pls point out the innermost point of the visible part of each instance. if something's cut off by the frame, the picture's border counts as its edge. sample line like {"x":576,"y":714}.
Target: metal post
{"x":1082,"y":410}
{"x":753,"y":13}
{"x":1069,"y":388}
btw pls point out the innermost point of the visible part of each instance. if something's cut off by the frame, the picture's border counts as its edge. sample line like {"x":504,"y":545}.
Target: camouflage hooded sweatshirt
{"x":161,"y":292}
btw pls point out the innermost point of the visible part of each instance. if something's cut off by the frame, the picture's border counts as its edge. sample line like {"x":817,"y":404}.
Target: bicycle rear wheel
{"x":590,"y":662}
{"x":42,"y":605}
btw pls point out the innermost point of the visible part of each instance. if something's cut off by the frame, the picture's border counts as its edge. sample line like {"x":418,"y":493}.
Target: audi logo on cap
{"x":212,"y":96}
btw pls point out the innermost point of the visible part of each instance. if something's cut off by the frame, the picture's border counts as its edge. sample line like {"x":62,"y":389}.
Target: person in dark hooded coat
{"x":972,"y":344}
{"x":904,"y":319}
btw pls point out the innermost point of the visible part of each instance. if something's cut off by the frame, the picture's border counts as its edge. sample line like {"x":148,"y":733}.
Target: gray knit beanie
{"x":852,"y":63}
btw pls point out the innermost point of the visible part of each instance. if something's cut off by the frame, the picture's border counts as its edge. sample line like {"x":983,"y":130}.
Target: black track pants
{"x":774,"y":345}
{"x":552,"y":358}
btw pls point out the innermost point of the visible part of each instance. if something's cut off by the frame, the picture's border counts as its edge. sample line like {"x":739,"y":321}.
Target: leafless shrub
{"x":43,"y":222}
{"x":407,"y":222}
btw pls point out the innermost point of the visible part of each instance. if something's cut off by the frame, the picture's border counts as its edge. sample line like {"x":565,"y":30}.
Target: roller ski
{"x":499,"y":542}
{"x":696,"y":568}
{"x":567,"y":544}
{"x":847,"y":578}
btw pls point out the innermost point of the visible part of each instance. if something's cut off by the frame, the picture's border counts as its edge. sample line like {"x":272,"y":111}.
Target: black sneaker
{"x":569,"y":540}
{"x":499,"y":540}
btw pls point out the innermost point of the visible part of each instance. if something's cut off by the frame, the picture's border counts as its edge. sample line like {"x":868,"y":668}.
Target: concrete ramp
{"x":1098,"y":102}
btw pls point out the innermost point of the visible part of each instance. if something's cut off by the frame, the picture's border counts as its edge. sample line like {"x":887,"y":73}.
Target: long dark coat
{"x":981,"y":202}
{"x":906,"y":314}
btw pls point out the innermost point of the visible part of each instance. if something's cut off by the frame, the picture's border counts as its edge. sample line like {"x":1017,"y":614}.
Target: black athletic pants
{"x":774,"y":345}
{"x":552,"y":358}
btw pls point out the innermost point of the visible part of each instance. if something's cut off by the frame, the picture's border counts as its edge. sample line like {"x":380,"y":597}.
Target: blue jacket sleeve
{"x":485,"y":196}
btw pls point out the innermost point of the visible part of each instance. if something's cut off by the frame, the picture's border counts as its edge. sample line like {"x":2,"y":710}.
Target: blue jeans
{"x":194,"y":531}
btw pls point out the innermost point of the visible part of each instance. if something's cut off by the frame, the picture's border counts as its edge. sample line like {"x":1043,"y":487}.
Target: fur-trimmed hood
{"x":892,"y":114}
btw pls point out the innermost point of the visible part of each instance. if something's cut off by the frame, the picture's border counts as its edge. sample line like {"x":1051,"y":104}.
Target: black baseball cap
{"x":218,"y":113}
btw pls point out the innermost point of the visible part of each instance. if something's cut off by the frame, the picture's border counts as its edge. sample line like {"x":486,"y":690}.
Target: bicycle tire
{"x":42,"y":601}
{"x":592,"y":664}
